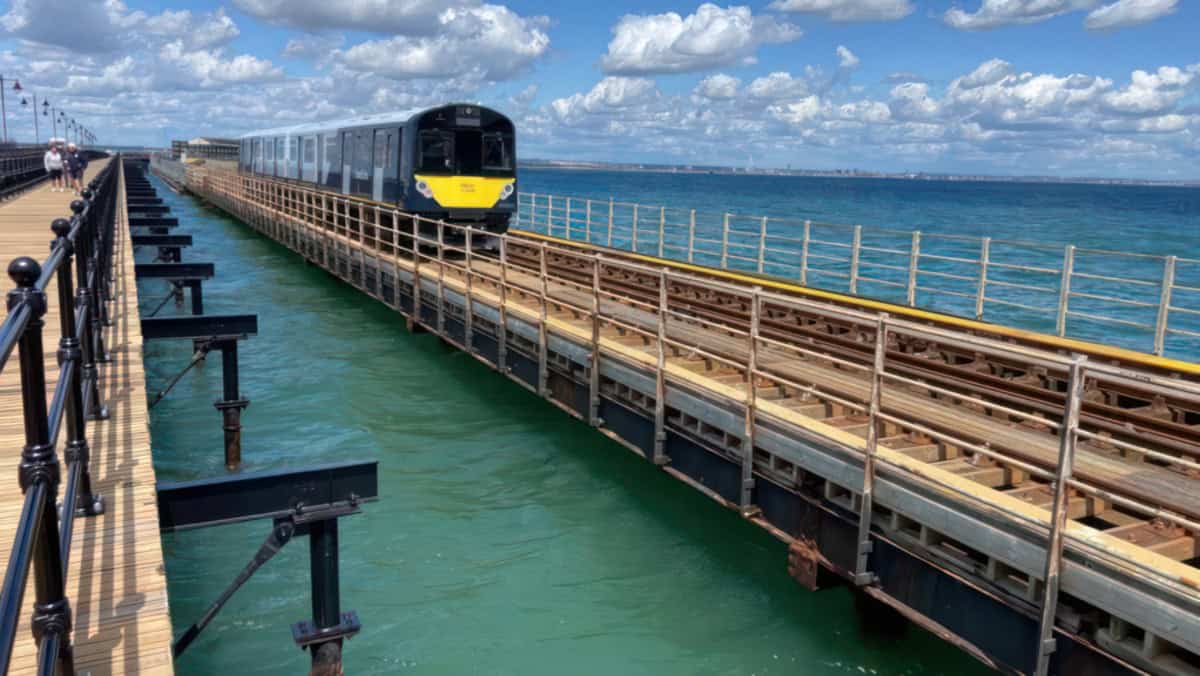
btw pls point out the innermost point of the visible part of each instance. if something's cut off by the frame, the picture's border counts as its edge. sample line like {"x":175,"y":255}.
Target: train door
{"x":333,"y":161}
{"x":256,"y":154}
{"x":361,"y":167}
{"x":293,"y":157}
{"x":308,"y":159}
{"x":381,"y":163}
{"x":347,"y":159}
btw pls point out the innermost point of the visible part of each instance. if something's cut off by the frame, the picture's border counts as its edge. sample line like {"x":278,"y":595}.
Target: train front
{"x":464,"y":166}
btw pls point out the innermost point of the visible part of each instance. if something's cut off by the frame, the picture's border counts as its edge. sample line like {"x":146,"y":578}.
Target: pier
{"x":115,"y":619}
{"x":1028,"y":497}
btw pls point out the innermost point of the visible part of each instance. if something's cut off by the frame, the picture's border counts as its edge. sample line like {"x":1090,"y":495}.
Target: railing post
{"x":762,"y":244}
{"x":1164,"y":305}
{"x":39,"y":471}
{"x":862,"y":576}
{"x":96,"y":280}
{"x":662,"y":227}
{"x":985,"y":255}
{"x":84,"y":262}
{"x":76,"y":450}
{"x":468,"y":299}
{"x":1062,"y":491}
{"x":568,"y":218}
{"x":746,"y":494}
{"x":914,"y":258}
{"x":415,"y":318}
{"x":634,"y":248}
{"x":610,"y":222}
{"x":543,"y":348}
{"x":587,"y":221}
{"x":550,"y":215}
{"x":1064,"y":289}
{"x":725,"y":242}
{"x":594,"y":376}
{"x":804,"y":252}
{"x":441,"y":248}
{"x":659,"y":456}
{"x":691,"y":251}
{"x":502,"y":330}
{"x":855,"y":252}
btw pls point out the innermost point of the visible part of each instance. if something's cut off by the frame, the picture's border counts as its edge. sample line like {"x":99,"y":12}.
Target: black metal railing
{"x":80,"y":262}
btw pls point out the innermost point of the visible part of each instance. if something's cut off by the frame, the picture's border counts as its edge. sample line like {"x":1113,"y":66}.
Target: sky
{"x":1010,"y":87}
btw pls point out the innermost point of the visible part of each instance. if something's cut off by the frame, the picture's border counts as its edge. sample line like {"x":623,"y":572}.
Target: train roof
{"x":361,"y":121}
{"x":397,"y":117}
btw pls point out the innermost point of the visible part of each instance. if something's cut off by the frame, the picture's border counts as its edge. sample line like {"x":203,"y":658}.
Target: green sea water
{"x":509,"y":539}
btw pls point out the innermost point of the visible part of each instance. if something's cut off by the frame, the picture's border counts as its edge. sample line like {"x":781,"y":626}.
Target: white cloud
{"x":848,"y":10}
{"x":1152,"y":93}
{"x":317,"y":46}
{"x":709,"y":38}
{"x":911,"y":101}
{"x":108,"y":25}
{"x":799,"y":112}
{"x":846,"y":58}
{"x":718,"y":86}
{"x":208,"y":68}
{"x":211,"y":30}
{"x":777,"y":86}
{"x":611,"y":94}
{"x":989,"y":72}
{"x":1124,"y":13}
{"x":996,"y":13}
{"x":484,"y":43}
{"x":406,"y":17}
{"x":1112,"y":16}
{"x":992,"y":118}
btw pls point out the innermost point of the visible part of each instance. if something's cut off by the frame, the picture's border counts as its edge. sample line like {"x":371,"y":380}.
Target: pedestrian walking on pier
{"x":54,"y":166}
{"x":75,"y":163}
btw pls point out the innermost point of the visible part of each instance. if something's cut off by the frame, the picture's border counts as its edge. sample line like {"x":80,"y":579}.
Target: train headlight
{"x":424,"y":189}
{"x":506,"y":191}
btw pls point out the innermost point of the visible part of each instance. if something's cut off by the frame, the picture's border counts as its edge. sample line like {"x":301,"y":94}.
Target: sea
{"x":510,"y":538}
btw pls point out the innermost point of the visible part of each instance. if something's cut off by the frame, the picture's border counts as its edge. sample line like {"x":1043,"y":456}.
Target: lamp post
{"x":37,"y":135}
{"x":3,"y":109}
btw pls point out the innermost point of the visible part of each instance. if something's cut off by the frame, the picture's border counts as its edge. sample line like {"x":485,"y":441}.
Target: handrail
{"x":979,"y":278}
{"x":82,"y":253}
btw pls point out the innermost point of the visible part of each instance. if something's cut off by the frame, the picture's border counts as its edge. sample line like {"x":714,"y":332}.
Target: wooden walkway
{"x":117,"y":584}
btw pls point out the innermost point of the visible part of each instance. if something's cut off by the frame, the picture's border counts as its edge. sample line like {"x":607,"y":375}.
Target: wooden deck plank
{"x":117,"y":581}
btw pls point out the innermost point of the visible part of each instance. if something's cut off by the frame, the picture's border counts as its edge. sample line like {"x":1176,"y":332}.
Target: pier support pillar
{"x":232,"y":404}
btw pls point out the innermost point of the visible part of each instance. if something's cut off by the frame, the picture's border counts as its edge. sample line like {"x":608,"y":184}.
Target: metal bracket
{"x":305,"y":633}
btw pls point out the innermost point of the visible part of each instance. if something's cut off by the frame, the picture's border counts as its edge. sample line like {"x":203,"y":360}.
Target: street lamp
{"x":36,"y":133}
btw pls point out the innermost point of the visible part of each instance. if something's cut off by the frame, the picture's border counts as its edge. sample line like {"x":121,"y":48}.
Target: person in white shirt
{"x":54,"y":166}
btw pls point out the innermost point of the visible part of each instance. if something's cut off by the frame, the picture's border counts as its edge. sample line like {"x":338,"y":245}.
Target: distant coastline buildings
{"x":205,"y":148}
{"x":833,"y":173}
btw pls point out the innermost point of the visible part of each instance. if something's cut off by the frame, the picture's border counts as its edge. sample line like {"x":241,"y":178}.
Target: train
{"x":455,"y":163}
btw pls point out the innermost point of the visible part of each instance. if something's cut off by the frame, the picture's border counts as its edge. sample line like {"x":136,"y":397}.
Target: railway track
{"x":971,"y":415}
{"x":978,"y":397}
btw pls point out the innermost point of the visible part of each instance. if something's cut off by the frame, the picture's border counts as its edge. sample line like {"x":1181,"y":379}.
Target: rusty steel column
{"x":232,"y":404}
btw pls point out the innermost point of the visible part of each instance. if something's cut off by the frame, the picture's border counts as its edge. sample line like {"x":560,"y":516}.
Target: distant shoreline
{"x":811,"y":173}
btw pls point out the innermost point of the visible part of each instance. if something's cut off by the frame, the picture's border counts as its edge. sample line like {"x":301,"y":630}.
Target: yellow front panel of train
{"x":466,"y":192}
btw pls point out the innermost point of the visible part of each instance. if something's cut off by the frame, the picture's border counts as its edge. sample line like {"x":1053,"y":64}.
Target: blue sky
{"x":1067,"y":87}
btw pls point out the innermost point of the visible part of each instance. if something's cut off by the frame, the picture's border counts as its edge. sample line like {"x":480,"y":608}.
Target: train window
{"x":468,"y":152}
{"x":437,"y":151}
{"x":310,"y":150}
{"x":497,"y":152}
